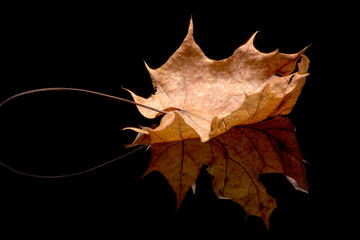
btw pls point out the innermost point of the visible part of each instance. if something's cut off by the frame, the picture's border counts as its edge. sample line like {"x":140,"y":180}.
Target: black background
{"x":102,"y":47}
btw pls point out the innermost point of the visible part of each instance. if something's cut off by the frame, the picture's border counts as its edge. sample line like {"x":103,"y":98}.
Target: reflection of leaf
{"x":234,"y":159}
{"x":213,"y":96}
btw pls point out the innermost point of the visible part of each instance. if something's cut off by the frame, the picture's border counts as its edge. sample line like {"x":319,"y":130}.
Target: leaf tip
{"x":296,"y":186}
{"x":190,"y":30}
{"x":251,"y":39}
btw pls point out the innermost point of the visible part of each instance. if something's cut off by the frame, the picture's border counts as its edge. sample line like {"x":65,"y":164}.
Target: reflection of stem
{"x":72,"y":174}
{"x":78,"y":90}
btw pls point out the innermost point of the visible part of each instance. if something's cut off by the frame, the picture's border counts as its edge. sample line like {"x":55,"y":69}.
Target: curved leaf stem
{"x":79,"y":90}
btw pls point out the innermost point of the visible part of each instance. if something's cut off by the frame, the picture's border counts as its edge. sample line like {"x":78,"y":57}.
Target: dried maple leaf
{"x":234,"y":159}
{"x":216,"y":115}
{"x":212,"y":96}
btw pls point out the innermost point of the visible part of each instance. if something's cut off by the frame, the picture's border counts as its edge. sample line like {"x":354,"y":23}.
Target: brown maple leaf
{"x":234,"y":159}
{"x":213,"y":96}
{"x":216,"y":115}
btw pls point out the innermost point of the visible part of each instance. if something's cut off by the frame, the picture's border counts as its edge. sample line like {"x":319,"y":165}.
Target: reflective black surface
{"x":102,"y":48}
